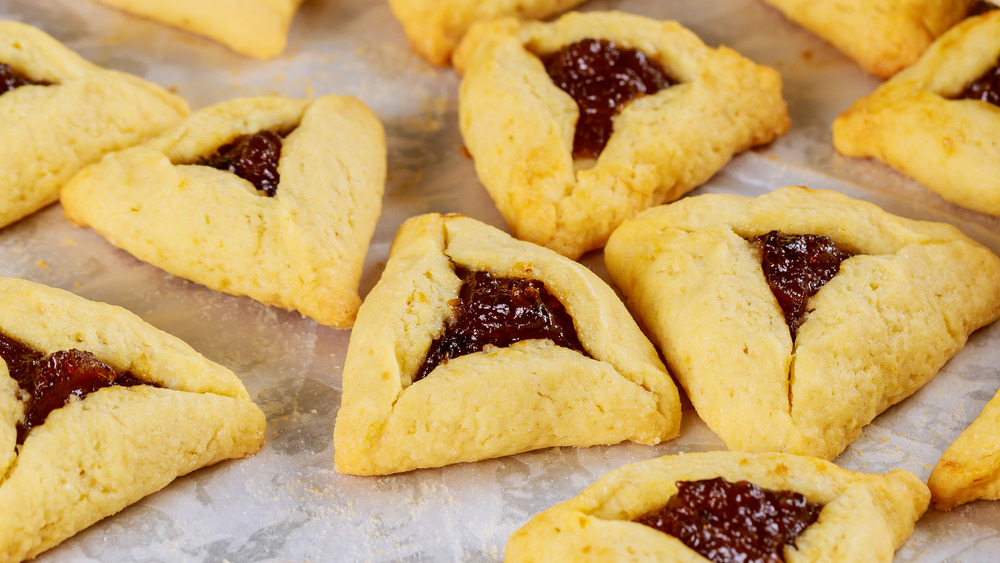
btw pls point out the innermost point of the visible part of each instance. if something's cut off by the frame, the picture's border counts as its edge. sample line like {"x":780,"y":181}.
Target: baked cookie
{"x":882,"y":36}
{"x":475,"y":345}
{"x":258,"y":28}
{"x":897,"y":299}
{"x":434,"y":27}
{"x":970,"y":468}
{"x":535,"y":157}
{"x":861,"y":517}
{"x":71,"y":110}
{"x":919,"y":123}
{"x":169,"y":412}
{"x":323,"y":163}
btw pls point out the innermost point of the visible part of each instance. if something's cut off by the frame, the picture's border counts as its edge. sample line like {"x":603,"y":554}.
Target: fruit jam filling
{"x":500,"y":311}
{"x":52,"y":380}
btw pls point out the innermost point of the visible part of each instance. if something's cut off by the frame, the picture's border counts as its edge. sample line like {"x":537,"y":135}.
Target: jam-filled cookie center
{"x":985,"y":88}
{"x":500,"y":311}
{"x":51,"y":381}
{"x":741,"y":521}
{"x":796,"y":267}
{"x":252,"y":157}
{"x":602,"y":77}
{"x":11,"y":79}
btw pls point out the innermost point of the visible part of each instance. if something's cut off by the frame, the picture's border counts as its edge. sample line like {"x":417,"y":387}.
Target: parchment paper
{"x":287,"y":503}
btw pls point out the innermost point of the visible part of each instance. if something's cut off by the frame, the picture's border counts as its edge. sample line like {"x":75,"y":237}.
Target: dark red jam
{"x":985,"y":88}
{"x":500,"y":311}
{"x":734,"y":522}
{"x":251,"y":157}
{"x":980,"y":8}
{"x":796,"y":267}
{"x":602,"y":78}
{"x":52,"y":380}
{"x":11,"y":79}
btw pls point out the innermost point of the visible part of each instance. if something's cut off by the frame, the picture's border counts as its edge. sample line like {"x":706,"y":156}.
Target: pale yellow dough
{"x":93,"y":457}
{"x":970,"y":468}
{"x":48,"y":133}
{"x":499,"y":401}
{"x":882,"y":36}
{"x":910,"y":122}
{"x":519,"y":126}
{"x":258,"y":28}
{"x":302,"y":249}
{"x":865,"y":517}
{"x":880,"y":329}
{"x":434,"y":27}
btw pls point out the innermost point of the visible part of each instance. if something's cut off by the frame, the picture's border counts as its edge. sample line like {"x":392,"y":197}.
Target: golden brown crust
{"x":93,"y":457}
{"x":880,"y":329}
{"x":883,"y":36}
{"x":865,"y":517}
{"x":970,"y":468}
{"x":519,"y":126}
{"x":498,"y":401}
{"x":911,"y":124}
{"x":84,"y":113}
{"x":258,"y":28}
{"x":302,"y":249}
{"x":435,"y":27}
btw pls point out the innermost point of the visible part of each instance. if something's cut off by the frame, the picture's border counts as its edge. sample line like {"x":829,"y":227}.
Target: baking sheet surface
{"x":287,"y":503}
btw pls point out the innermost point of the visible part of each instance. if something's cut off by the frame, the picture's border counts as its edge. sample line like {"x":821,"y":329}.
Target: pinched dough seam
{"x":953,"y":331}
{"x":114,"y":414}
{"x":640,"y":384}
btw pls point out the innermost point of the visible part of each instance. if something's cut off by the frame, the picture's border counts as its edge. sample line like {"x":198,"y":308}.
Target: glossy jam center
{"x":602,"y":78}
{"x":251,"y":157}
{"x":727,"y":522}
{"x":500,"y":311}
{"x":11,"y":79}
{"x":52,"y":380}
{"x":985,"y":88}
{"x":796,"y":267}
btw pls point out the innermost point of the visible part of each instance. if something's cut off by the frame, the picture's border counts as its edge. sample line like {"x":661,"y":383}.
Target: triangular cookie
{"x":302,"y":249}
{"x":258,"y":28}
{"x":65,"y":113}
{"x":919,"y":123}
{"x":500,"y":400}
{"x":879,"y":329}
{"x":520,"y":127}
{"x":864,"y":517}
{"x":96,"y":455}
{"x":970,"y":468}
{"x":434,"y":27}
{"x":882,"y":36}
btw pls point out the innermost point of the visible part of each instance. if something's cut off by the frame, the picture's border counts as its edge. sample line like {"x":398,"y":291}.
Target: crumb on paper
{"x":67,"y":243}
{"x":42,"y":264}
